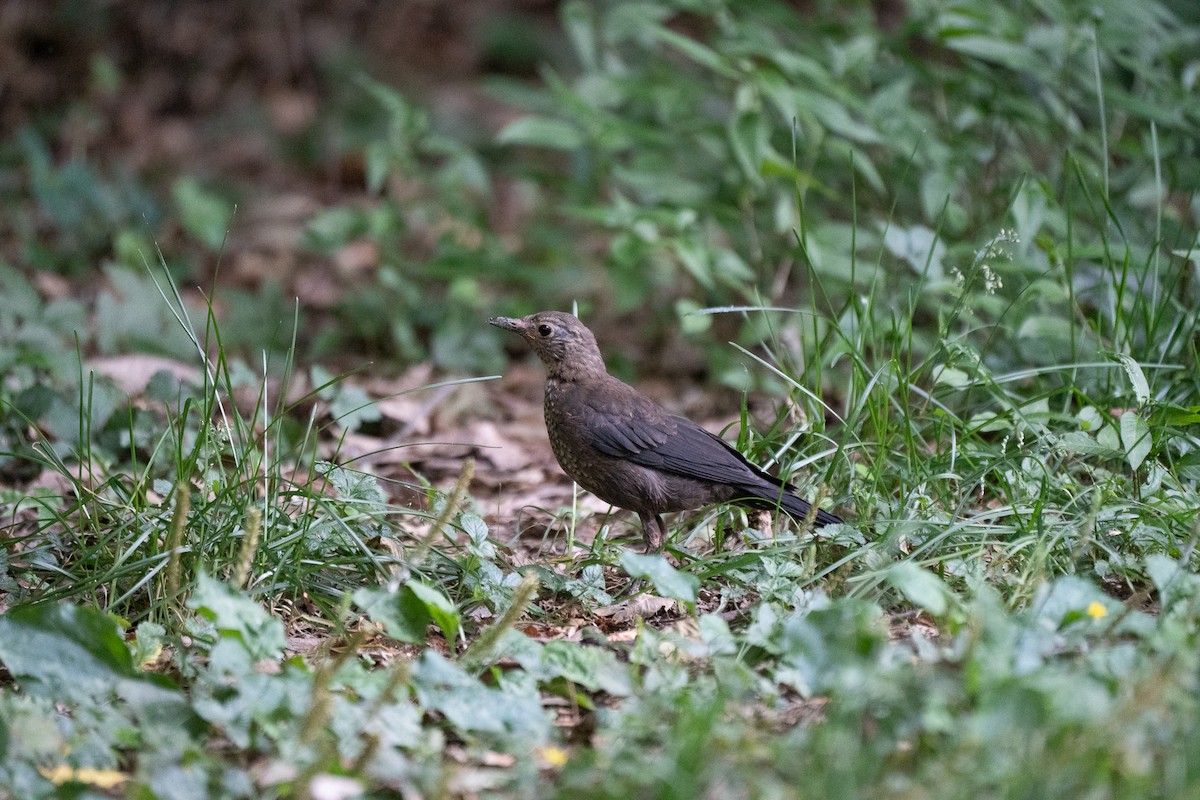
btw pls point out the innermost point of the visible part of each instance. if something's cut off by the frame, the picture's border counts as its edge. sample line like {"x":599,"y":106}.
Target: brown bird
{"x":626,"y":449}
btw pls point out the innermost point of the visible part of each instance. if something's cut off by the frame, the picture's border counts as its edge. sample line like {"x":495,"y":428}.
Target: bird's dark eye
{"x":544,"y":330}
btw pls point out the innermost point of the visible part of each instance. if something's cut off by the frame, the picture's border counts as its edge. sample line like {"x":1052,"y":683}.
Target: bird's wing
{"x":649,"y":436}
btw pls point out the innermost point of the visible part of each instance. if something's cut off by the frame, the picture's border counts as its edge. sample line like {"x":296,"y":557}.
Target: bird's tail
{"x":795,"y":507}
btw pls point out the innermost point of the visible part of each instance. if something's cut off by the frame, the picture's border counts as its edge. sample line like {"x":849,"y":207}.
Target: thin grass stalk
{"x":183,"y":503}
{"x":449,"y":509}
{"x":489,"y":637}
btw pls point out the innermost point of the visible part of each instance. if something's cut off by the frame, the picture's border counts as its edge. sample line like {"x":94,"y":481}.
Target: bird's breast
{"x":565,"y":428}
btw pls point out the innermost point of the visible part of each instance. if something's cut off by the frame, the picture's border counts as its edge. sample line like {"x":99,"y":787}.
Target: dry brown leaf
{"x":643,"y":606}
{"x":132,"y":373}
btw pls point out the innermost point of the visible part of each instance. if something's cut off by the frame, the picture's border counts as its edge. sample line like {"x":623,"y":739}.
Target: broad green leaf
{"x":1083,"y":444}
{"x":701,"y":54}
{"x":1173,"y":581}
{"x":234,"y":614}
{"x":542,"y":132}
{"x":1135,"y":437}
{"x":731,"y":268}
{"x":1072,"y":599}
{"x":477,"y":534}
{"x":353,"y":484}
{"x":334,"y":227}
{"x":1176,"y":415}
{"x":951,"y":376}
{"x":1090,"y":418}
{"x":747,"y":134}
{"x":440,"y":608}
{"x":148,"y":643}
{"x":408,"y":611}
{"x":205,"y":215}
{"x":57,"y":645}
{"x":1163,"y":571}
{"x":667,"y":580}
{"x":632,"y":20}
{"x":715,"y":632}
{"x":696,"y":259}
{"x":832,"y":647}
{"x":990,"y":48}
{"x":578,"y":20}
{"x":1109,"y":437}
{"x":70,"y":652}
{"x":921,"y":587}
{"x":919,"y":247}
{"x":591,"y":667}
{"x":377,"y":163}
{"x":351,"y":407}
{"x":403,"y":616}
{"x":590,"y":586}
{"x":471,"y":706}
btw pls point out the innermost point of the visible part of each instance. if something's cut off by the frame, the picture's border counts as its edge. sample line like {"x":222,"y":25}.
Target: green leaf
{"x":353,"y":485}
{"x":542,"y":132}
{"x":69,"y":652}
{"x":589,"y":586}
{"x":696,"y":259}
{"x":334,"y":227}
{"x":1137,"y":378}
{"x":951,"y":376}
{"x":402,"y":616}
{"x":60,"y":645}
{"x":440,"y":608}
{"x":351,"y":407}
{"x":1083,"y":444}
{"x":590,"y":667}
{"x":148,"y":642}
{"x":578,"y":20}
{"x":1135,"y":437}
{"x":747,"y":134}
{"x":477,"y":535}
{"x":921,"y":587}
{"x":377,"y":163}
{"x":1071,"y":599}
{"x":1176,"y":415}
{"x":1173,"y":581}
{"x":701,"y":54}
{"x":715,"y":632}
{"x":408,"y":611}
{"x":468,"y":705}
{"x":667,"y":580}
{"x":238,"y":617}
{"x":205,"y":215}
{"x":989,"y":48}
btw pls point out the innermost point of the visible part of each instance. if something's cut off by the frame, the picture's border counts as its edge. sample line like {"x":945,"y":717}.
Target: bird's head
{"x":564,"y":344}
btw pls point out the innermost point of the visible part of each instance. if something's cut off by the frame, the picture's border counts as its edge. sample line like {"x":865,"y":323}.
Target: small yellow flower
{"x":1096,"y":610}
{"x":554,"y":756}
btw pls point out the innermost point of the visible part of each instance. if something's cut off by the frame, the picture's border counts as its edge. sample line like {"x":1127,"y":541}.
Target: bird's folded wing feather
{"x":676,"y":445}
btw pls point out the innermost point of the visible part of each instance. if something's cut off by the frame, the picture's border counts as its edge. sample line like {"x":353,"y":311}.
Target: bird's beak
{"x":518,"y":326}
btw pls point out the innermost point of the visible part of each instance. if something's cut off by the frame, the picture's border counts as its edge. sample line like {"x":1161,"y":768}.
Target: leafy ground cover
{"x":285,"y":535}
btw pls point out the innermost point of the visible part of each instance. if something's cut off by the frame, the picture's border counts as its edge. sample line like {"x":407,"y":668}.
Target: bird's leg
{"x":654,"y":531}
